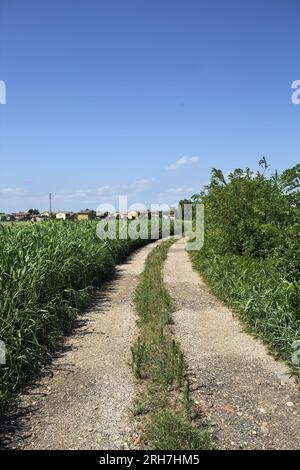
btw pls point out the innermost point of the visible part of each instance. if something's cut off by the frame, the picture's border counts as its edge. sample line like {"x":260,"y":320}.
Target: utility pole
{"x":50,"y":205}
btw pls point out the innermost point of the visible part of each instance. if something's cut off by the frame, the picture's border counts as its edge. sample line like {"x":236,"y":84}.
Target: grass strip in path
{"x":167,"y":417}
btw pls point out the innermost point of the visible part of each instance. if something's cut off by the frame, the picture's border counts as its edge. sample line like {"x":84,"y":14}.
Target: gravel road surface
{"x":249,"y":397}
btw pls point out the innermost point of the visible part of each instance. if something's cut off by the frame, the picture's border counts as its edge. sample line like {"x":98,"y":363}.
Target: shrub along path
{"x":247,"y":395}
{"x":84,"y":404}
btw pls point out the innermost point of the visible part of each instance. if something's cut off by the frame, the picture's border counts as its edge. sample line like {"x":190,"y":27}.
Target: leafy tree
{"x":289,"y":183}
{"x":33,"y":212}
{"x":247,"y":213}
{"x":181,"y":205}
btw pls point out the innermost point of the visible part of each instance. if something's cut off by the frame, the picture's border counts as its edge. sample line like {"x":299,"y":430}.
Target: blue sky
{"x":105,"y":96}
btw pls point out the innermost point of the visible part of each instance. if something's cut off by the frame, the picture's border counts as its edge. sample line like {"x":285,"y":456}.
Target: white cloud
{"x":107,"y":192}
{"x":10,"y":191}
{"x":82,"y":192}
{"x":179,"y":190}
{"x":174,"y":190}
{"x":183,"y":161}
{"x":141,"y":185}
{"x":102,"y":190}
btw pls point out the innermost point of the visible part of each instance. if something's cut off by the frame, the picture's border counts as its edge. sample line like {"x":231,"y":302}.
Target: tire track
{"x":249,"y":397}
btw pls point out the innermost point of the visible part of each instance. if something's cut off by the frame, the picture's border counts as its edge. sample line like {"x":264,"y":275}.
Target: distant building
{"x":46,"y":214}
{"x":20,"y":216}
{"x":101,"y":215}
{"x":119,"y":215}
{"x":131,"y":215}
{"x":38,"y":218}
{"x":65,"y":215}
{"x":6,"y":217}
{"x":86,"y":214}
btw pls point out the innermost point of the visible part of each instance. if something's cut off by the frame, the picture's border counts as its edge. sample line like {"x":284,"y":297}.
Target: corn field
{"x":48,"y":272}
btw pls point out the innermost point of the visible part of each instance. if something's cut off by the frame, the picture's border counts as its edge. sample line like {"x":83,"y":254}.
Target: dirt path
{"x":84,"y":404}
{"x":247,"y":395}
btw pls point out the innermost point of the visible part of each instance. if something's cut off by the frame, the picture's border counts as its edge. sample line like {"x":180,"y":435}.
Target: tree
{"x":33,"y":212}
{"x":245,"y":215}
{"x":289,"y":183}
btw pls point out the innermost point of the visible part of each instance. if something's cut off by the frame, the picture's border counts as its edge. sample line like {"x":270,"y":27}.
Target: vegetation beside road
{"x":165,"y":411}
{"x":48,"y":272}
{"x":251,"y":255}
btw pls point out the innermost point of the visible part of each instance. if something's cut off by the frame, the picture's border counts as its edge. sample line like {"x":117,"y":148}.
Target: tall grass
{"x":47,"y":274}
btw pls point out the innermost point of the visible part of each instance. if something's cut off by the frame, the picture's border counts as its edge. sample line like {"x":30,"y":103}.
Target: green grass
{"x":48,"y":272}
{"x":164,"y":408}
{"x":172,"y":430}
{"x":266,"y":301}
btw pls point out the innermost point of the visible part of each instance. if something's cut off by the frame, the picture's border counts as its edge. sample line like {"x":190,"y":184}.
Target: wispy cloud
{"x":142,"y":185}
{"x":102,"y":190}
{"x":106,"y":192}
{"x":183,"y":161}
{"x":82,"y":193}
{"x":10,"y":191}
{"x":179,"y":190}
